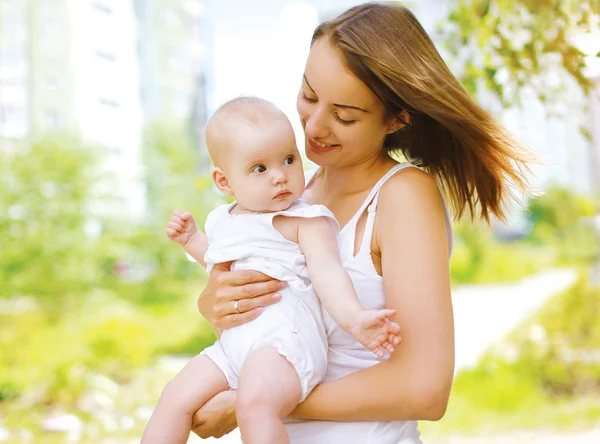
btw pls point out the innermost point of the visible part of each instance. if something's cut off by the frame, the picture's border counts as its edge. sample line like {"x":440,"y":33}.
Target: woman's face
{"x":344,"y":122}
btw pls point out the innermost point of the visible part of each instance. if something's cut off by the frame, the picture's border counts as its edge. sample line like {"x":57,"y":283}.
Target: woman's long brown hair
{"x":476,"y":161}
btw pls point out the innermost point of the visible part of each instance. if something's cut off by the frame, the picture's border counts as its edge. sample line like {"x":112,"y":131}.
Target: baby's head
{"x":252,"y":145}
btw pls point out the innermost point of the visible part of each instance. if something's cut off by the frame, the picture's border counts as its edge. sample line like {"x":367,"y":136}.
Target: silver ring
{"x":236,"y":308}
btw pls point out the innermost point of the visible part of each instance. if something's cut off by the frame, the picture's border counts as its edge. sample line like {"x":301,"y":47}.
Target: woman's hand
{"x":232,"y":298}
{"x":217,"y":417}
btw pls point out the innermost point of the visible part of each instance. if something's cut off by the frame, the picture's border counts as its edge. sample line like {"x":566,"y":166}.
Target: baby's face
{"x":264,"y":168}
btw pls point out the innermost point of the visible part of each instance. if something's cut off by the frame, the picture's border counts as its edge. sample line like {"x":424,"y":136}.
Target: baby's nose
{"x":279,"y":177}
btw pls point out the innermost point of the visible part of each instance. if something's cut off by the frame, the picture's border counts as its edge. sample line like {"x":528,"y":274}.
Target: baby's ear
{"x":221,"y":182}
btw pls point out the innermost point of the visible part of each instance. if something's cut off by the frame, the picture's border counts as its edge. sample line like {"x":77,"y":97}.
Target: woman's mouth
{"x":320,"y":147}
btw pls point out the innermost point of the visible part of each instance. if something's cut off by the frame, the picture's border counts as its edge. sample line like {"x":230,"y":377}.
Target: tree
{"x":512,"y":43}
{"x":45,"y":190}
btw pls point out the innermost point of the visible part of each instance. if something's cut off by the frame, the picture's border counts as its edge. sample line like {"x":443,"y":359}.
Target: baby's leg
{"x":193,"y":386}
{"x":269,"y":389}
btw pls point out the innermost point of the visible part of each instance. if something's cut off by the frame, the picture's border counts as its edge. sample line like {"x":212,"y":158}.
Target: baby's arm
{"x":182,"y":229}
{"x":373,"y":328}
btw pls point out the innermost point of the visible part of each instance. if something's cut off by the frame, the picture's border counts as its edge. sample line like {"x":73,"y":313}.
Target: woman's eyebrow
{"x":338,"y":105}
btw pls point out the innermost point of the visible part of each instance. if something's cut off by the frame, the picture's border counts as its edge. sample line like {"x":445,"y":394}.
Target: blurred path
{"x":483,"y":315}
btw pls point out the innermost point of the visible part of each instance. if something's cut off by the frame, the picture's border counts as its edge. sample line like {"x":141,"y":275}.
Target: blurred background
{"x":102,"y":109}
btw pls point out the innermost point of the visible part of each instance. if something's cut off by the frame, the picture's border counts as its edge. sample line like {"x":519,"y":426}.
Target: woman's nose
{"x":316,"y":126}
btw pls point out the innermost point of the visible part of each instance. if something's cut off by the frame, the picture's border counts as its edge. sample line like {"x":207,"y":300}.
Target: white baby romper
{"x":294,"y":326}
{"x":345,"y":354}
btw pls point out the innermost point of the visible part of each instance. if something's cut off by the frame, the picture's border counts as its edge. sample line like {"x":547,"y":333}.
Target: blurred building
{"x":171,"y":47}
{"x":102,"y":69}
{"x":594,"y":128}
{"x":15,"y":68}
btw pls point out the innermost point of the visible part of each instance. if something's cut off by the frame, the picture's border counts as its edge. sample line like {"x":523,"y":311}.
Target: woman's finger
{"x":248,"y":291}
{"x":236,"y":320}
{"x":257,"y":289}
{"x":245,"y":305}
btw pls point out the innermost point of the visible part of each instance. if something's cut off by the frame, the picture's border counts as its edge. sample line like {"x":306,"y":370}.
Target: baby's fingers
{"x":386,"y":313}
{"x":393,"y":327}
{"x":394,"y":339}
{"x":378,"y":352}
{"x":388,"y":346}
{"x":175,"y":226}
{"x":171,"y":233}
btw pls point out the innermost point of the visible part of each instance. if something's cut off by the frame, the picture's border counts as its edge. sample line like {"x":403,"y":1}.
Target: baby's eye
{"x":289,"y":160}
{"x":259,"y":169}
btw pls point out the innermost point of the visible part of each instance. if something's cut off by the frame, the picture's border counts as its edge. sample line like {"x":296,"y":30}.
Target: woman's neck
{"x":354,"y":179}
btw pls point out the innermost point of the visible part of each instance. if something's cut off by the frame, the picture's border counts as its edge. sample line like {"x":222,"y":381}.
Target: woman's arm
{"x":415,"y":382}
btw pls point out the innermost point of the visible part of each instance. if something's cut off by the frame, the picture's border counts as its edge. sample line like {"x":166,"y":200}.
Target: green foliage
{"x":546,"y":373}
{"x":45,"y":187}
{"x":85,"y":316}
{"x":52,"y":359}
{"x":525,"y":40}
{"x":479,"y":258}
{"x":559,"y":209}
{"x":172,"y":163}
{"x":568,"y":358}
{"x":500,"y":389}
{"x":563,"y":220}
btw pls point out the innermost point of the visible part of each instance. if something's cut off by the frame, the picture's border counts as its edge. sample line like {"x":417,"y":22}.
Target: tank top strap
{"x":371,"y":205}
{"x":365,"y":245}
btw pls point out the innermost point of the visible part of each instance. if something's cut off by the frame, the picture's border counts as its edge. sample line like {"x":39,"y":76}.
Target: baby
{"x":275,"y":360}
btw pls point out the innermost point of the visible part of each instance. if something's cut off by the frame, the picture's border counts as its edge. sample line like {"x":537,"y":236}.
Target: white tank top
{"x":345,"y":354}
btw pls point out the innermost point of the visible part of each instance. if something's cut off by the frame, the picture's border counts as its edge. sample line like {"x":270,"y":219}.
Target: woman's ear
{"x":221,"y":182}
{"x":398,"y":121}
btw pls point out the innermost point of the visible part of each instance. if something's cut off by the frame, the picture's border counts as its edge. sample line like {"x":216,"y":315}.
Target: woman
{"x":374,"y":85}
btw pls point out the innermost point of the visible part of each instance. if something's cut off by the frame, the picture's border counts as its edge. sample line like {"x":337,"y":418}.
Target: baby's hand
{"x":181,"y":228}
{"x":375,"y":330}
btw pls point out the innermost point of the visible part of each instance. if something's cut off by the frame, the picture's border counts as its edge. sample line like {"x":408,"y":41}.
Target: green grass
{"x":465,"y":418}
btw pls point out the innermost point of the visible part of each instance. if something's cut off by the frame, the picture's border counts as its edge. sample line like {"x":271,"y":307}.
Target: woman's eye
{"x":308,"y":99}
{"x":289,"y":160}
{"x":259,"y":169}
{"x":343,"y":121}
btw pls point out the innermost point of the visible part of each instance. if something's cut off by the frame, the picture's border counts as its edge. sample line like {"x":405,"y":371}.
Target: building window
{"x":13,"y":122}
{"x":103,"y":7}
{"x":109,"y":102}
{"x":181,"y":104}
{"x":51,"y":83}
{"x":51,"y":119}
{"x":173,"y":19}
{"x":105,"y":56}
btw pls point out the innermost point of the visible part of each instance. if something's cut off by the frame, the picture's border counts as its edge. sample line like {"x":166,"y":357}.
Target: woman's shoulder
{"x":407,"y":200}
{"x":411,"y":190}
{"x":410,"y":182}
